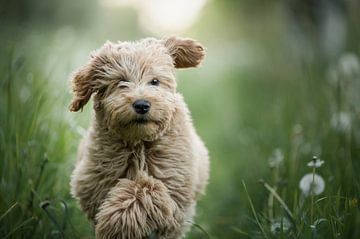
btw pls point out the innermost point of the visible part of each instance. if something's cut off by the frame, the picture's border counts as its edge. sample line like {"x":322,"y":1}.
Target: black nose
{"x":141,"y":106}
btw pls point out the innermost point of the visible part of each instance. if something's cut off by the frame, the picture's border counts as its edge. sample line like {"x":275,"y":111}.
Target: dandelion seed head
{"x":276,"y":158}
{"x":312,"y":183}
{"x":341,"y":121}
{"x":349,"y":65}
{"x":25,"y":94}
{"x":298,"y":129}
{"x":315,"y":163}
{"x":280,"y":224}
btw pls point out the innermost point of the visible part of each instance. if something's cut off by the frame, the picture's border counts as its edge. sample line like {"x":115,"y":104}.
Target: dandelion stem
{"x":271,"y":206}
{"x":312,"y":197}
{"x":271,"y":196}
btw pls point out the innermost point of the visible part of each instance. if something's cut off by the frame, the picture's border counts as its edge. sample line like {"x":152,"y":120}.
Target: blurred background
{"x":280,"y":84}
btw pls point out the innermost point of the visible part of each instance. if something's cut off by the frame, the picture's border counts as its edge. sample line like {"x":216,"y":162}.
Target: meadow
{"x":276,"y":102}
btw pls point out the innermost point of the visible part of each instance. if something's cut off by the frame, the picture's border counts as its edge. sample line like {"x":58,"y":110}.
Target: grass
{"x":287,"y":115}
{"x":35,"y":200}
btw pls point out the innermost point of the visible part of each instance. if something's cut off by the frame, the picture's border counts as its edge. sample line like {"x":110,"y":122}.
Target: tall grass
{"x":35,"y":150}
{"x":262,"y":127}
{"x":294,"y":211}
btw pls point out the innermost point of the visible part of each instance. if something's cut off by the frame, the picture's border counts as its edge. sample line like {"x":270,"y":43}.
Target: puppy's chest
{"x":127,"y":161}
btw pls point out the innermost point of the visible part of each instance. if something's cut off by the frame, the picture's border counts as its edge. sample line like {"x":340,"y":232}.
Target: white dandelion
{"x":341,"y":122}
{"x":315,"y":163}
{"x":312,"y":183}
{"x":276,"y":158}
{"x":349,"y":64}
{"x":280,"y":224}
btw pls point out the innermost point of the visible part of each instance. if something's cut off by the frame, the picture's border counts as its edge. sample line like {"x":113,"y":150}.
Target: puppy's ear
{"x":82,"y":87}
{"x":87,"y":80}
{"x":184,"y":51}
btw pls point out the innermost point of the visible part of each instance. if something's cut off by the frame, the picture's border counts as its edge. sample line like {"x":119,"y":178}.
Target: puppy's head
{"x":134,"y":84}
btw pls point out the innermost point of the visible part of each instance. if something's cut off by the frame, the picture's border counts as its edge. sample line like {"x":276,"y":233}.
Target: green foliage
{"x":35,"y":151}
{"x":263,"y":104}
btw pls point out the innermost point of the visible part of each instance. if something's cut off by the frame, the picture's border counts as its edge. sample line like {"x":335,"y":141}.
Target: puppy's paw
{"x":134,"y":209}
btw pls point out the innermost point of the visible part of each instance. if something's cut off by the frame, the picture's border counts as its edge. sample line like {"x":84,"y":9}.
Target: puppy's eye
{"x":155,"y":82}
{"x":123,"y":84}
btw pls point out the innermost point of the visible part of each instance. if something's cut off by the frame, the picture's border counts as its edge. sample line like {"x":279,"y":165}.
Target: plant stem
{"x":271,"y":196}
{"x":312,"y":197}
{"x":282,"y":203}
{"x":254,"y":212}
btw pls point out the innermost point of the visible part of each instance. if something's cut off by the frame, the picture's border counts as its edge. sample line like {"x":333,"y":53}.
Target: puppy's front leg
{"x":135,"y":209}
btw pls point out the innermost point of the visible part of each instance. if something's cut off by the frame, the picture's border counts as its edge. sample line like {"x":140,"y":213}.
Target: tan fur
{"x":135,"y":179}
{"x":185,"y":52}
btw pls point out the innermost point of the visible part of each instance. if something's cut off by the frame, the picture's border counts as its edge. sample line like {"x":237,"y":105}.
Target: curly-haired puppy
{"x":141,"y":167}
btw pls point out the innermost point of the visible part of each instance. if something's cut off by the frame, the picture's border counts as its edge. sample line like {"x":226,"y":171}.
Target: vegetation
{"x":276,"y":89}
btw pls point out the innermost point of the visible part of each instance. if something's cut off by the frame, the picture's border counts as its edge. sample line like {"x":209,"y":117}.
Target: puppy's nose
{"x":141,"y":106}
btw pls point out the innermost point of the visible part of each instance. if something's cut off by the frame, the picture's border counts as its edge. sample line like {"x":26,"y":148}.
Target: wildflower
{"x":345,"y":78}
{"x":349,"y":64}
{"x":346,"y":69}
{"x":312,"y":183}
{"x":315,"y":162}
{"x":24,"y":94}
{"x":341,"y":122}
{"x":276,"y":158}
{"x":280,"y":225}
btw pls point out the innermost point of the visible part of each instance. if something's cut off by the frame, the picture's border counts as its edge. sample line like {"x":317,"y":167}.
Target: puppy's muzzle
{"x":141,"y":106}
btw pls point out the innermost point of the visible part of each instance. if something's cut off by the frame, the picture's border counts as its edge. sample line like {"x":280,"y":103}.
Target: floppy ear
{"x":87,"y":80}
{"x":185,"y":52}
{"x":82,"y":87}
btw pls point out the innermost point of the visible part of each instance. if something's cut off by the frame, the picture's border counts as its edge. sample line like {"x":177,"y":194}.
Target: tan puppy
{"x":141,"y":167}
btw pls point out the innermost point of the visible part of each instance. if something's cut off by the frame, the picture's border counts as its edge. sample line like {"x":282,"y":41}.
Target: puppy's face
{"x":134,"y":84}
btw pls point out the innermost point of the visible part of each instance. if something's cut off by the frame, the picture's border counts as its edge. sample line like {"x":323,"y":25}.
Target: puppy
{"x":141,"y":166}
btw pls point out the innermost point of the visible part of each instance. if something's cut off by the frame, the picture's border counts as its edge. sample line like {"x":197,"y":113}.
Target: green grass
{"x":277,"y":103}
{"x":36,"y":153}
{"x":39,"y":139}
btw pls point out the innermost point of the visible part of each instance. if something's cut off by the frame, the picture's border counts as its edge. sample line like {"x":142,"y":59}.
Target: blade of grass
{"x":35,"y":117}
{"x":37,"y":182}
{"x":66,"y":218}
{"x":19,"y":227}
{"x":45,"y":206}
{"x":330,"y":197}
{"x":8,"y":211}
{"x":200,"y":228}
{"x":254,"y":212}
{"x":279,"y":199}
{"x":241,"y":231}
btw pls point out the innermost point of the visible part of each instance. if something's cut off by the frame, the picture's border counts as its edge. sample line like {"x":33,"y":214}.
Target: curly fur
{"x":135,"y":178}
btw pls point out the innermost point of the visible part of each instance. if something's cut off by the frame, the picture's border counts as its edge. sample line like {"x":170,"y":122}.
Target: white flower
{"x":315,"y":163}
{"x":276,"y":158}
{"x":280,"y":224}
{"x":312,"y":183}
{"x":341,"y":122}
{"x":346,"y":69}
{"x":349,"y":64}
{"x":345,"y":78}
